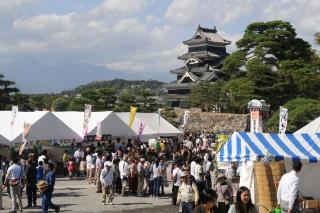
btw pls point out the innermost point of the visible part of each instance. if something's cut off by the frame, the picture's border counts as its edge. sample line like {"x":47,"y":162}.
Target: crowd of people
{"x":24,"y":173}
{"x":135,"y":169}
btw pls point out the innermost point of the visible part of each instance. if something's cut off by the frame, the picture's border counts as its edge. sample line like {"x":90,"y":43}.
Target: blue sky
{"x":142,"y":36}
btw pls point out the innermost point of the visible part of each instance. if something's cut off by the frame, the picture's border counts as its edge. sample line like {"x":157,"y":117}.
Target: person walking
{"x":40,"y":171}
{"x":176,"y":173}
{"x":31,"y":181}
{"x":188,"y":194}
{"x":288,"y":194}
{"x":14,"y":179}
{"x":141,"y":176}
{"x":65,"y":159}
{"x":99,"y":167}
{"x":106,"y":179}
{"x":1,"y":184}
{"x":47,"y":194}
{"x":209,"y":202}
{"x":124,"y":173}
{"x":224,"y":191}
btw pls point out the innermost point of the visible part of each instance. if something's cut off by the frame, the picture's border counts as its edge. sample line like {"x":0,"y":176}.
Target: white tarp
{"x":152,"y":128}
{"x":110,"y":123}
{"x":44,"y":126}
{"x":312,"y":127}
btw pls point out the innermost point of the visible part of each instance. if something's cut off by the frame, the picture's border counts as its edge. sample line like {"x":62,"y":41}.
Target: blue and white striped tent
{"x":243,"y":146}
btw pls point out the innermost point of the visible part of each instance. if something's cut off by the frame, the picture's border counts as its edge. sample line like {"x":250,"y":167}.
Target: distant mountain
{"x":32,"y":76}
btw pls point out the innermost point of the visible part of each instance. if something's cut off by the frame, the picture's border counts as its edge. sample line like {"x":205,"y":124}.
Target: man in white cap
{"x":106,"y":179}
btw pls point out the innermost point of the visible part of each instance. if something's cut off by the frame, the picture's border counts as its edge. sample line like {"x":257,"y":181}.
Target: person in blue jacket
{"x":47,"y":195}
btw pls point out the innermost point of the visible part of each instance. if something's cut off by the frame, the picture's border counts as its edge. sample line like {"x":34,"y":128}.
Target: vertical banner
{"x":141,"y":129}
{"x":99,"y":135}
{"x":14,"y":114}
{"x":26,"y":130}
{"x":283,"y":120}
{"x":255,"y":125}
{"x":87,"y":115}
{"x":133,"y":111}
{"x":159,"y":119}
{"x":185,"y":118}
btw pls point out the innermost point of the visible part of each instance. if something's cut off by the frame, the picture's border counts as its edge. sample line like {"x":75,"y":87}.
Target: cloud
{"x":194,"y":11}
{"x":44,"y":23}
{"x":9,"y":4}
{"x":123,"y":7}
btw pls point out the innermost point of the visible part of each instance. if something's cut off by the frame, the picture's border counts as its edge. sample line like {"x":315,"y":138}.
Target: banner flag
{"x":26,"y":130}
{"x":87,"y":115}
{"x":283,"y":120}
{"x":14,"y":114}
{"x":255,"y":122}
{"x":99,"y":135}
{"x":133,"y":111}
{"x":141,"y":128}
{"x":185,"y":118}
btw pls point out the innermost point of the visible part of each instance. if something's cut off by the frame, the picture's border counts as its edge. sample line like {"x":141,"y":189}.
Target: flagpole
{"x":159,"y":123}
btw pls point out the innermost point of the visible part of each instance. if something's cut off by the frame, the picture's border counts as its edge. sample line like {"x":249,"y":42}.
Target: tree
{"x":206,"y":95}
{"x":61,"y":104}
{"x":274,"y":41}
{"x":6,"y":88}
{"x":37,"y":102}
{"x":317,"y":37}
{"x":78,"y":103}
{"x":109,"y":97}
{"x":232,"y":64}
{"x":301,"y":111}
{"x":145,"y":101}
{"x":22,"y":101}
{"x":124,"y":102}
{"x":239,"y":91}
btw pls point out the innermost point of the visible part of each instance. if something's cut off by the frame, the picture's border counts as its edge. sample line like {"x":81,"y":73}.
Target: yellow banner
{"x":133,"y":111}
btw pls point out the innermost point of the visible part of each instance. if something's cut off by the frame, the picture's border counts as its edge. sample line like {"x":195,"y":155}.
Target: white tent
{"x":44,"y":126}
{"x":312,"y":127}
{"x":4,"y":141}
{"x":148,"y":133}
{"x":110,"y":123}
{"x":153,"y":127}
{"x":12,"y":132}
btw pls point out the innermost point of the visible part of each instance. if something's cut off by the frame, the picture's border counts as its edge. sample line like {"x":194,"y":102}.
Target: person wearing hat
{"x":141,"y":176}
{"x":224,"y":192}
{"x":106,"y":178}
{"x":188,"y":195}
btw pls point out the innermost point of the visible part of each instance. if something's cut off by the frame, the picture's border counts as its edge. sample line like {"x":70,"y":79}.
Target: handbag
{"x":42,"y":185}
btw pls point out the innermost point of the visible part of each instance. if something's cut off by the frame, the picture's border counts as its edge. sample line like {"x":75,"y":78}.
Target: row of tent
{"x":47,"y":125}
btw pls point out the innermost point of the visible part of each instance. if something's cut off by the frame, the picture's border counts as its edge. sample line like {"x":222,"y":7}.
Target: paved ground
{"x":78,"y":196}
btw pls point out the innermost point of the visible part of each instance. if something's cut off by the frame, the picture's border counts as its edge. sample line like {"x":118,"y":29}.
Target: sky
{"x":140,"y":36}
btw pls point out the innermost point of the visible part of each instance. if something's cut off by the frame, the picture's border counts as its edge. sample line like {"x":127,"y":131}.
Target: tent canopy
{"x":243,"y":146}
{"x":110,"y":123}
{"x":4,"y":141}
{"x":312,"y":127}
{"x":13,"y":132}
{"x":152,"y":124}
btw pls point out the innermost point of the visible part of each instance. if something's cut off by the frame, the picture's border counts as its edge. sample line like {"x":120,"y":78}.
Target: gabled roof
{"x":208,"y":76}
{"x":207,"y":35}
{"x":190,"y":75}
{"x":200,"y":55}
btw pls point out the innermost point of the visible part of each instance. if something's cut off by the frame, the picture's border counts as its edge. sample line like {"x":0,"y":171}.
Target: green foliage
{"x":78,"y":103}
{"x":6,"y":88}
{"x":206,"y":95}
{"x":317,"y":37}
{"x":301,"y":111}
{"x":61,"y":104}
{"x":22,"y":101}
{"x":232,"y":63}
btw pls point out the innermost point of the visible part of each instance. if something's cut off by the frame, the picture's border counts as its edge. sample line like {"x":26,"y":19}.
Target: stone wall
{"x":213,"y":122}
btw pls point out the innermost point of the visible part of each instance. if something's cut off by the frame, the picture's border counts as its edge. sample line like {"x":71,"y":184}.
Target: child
{"x":83,"y":165}
{"x":40,"y":171}
{"x":71,"y":168}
